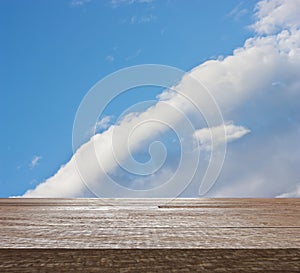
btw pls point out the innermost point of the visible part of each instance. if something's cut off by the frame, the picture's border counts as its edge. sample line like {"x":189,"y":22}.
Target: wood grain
{"x":219,"y":230}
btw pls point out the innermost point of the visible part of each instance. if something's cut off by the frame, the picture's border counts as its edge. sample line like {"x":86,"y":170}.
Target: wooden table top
{"x":149,"y":223}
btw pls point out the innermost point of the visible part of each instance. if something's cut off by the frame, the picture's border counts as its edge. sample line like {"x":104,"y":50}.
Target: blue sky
{"x":53,"y":52}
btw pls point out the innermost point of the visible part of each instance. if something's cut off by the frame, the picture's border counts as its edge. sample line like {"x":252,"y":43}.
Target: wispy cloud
{"x":78,"y":3}
{"x":238,"y":11}
{"x":109,"y":58}
{"x":117,"y":3}
{"x":233,"y":132}
{"x":162,"y":31}
{"x":142,"y":19}
{"x":135,"y":55}
{"x":104,"y":123}
{"x":35,"y":161}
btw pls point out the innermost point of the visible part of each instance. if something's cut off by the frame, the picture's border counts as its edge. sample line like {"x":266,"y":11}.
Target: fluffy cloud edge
{"x":292,"y":194}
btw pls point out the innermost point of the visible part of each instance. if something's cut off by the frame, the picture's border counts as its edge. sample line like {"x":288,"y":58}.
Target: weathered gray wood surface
{"x":147,"y":235}
{"x":121,"y":223}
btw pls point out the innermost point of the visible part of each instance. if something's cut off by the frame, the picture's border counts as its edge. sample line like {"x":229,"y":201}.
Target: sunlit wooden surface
{"x":271,"y":226}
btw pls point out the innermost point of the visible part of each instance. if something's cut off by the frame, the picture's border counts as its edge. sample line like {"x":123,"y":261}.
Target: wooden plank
{"x":212,"y":229}
{"x":150,"y":260}
{"x":125,"y":223}
{"x":97,"y":237}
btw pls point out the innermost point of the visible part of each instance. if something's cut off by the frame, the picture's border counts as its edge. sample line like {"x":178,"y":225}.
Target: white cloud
{"x":117,"y":3}
{"x":104,"y":123}
{"x":257,"y":86}
{"x":135,"y":55}
{"x":109,"y":58}
{"x":65,"y":183}
{"x":238,"y":11}
{"x":295,"y":193}
{"x":35,"y":161}
{"x":275,"y":15}
{"x":233,"y":132}
{"x":142,"y":19}
{"x":76,"y":3}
